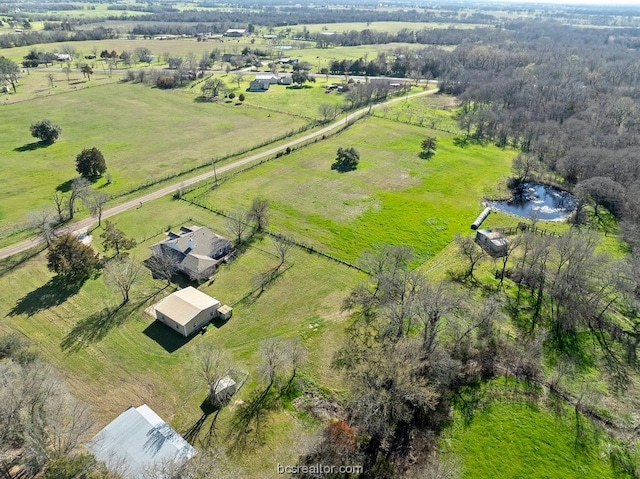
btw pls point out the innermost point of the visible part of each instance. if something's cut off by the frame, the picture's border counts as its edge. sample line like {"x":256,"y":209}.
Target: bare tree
{"x":121,"y":273}
{"x":282,"y":245}
{"x":58,"y":201}
{"x":259,"y":213}
{"x":272,"y":360}
{"x":80,"y":188}
{"x":164,"y":265}
{"x":43,"y":221}
{"x":237,"y":221}
{"x":472,"y":252}
{"x":95,"y":201}
{"x":238,"y":77}
{"x":213,"y":366}
{"x":51,"y":79}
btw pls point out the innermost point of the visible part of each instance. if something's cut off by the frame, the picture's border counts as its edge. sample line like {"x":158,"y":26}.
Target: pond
{"x":535,"y":200}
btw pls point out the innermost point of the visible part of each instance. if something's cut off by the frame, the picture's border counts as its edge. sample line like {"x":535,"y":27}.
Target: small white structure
{"x":224,"y":389}
{"x":63,"y":57}
{"x":285,"y":80}
{"x":235,"y":32}
{"x":270,"y":78}
{"x":493,"y":242}
{"x":225,"y":312}
{"x":186,"y":311}
{"x":137,"y":441}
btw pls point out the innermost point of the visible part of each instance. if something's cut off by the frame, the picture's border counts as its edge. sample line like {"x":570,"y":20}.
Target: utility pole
{"x":215,"y":175}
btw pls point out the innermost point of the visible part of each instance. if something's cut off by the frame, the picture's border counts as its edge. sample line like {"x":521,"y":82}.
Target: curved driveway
{"x":84,"y":224}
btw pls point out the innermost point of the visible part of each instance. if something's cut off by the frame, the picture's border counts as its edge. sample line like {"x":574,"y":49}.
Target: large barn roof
{"x":182,"y":306}
{"x":137,"y":440}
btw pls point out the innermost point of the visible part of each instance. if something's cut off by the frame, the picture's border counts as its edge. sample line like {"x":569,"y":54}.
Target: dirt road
{"x":84,"y":224}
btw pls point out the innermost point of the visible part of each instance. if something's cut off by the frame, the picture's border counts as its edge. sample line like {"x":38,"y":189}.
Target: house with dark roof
{"x":196,"y":250}
{"x":138,"y":441}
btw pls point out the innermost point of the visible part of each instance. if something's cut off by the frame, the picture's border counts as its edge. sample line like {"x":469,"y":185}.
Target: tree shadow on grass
{"x":15,"y":261}
{"x":94,"y":328}
{"x":250,"y":417}
{"x":36,"y":145}
{"x":53,"y":293}
{"x":64,"y":187}
{"x":192,"y":433}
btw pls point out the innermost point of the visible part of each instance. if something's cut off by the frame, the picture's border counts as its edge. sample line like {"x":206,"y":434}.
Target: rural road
{"x":84,"y":224}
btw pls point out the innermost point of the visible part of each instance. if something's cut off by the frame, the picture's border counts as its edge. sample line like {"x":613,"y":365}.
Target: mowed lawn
{"x":519,"y":441}
{"x":144,"y":134}
{"x":393,"y":197}
{"x":113,"y":362}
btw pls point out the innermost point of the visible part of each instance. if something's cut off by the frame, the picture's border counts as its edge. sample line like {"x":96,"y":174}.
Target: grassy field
{"x":115,"y":361}
{"x":433,"y":111}
{"x":516,"y":440}
{"x":390,"y":27}
{"x":144,"y":133}
{"x":393,"y":197}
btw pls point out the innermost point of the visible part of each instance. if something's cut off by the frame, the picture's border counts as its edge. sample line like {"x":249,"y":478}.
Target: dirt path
{"x":84,"y":224}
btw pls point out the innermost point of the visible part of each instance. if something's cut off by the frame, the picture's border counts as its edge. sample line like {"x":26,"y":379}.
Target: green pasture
{"x":516,"y":440}
{"x":393,"y":197}
{"x":432,"y":111}
{"x":115,"y":360}
{"x":144,"y":133}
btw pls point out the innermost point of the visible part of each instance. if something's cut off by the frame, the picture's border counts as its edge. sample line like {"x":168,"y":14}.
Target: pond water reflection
{"x":535,"y":200}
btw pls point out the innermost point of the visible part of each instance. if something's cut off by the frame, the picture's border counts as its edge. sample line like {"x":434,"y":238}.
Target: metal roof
{"x":137,"y":440}
{"x":182,"y":306}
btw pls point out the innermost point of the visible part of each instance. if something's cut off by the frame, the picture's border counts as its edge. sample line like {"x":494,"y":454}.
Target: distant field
{"x":393,"y":197}
{"x":391,"y":27}
{"x":144,"y":133}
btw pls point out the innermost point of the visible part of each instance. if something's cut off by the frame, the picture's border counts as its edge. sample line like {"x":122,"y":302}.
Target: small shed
{"x":225,"y":312}
{"x":223,"y":389}
{"x":285,"y":80}
{"x":493,"y":242}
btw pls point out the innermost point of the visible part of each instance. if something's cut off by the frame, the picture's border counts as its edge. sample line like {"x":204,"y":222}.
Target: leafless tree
{"x":281,"y":246}
{"x":38,"y":415}
{"x":472,"y":252}
{"x":121,"y":273}
{"x":238,"y":77}
{"x":237,"y":221}
{"x":272,"y":360}
{"x":95,"y":201}
{"x":51,"y":79}
{"x":213,"y":366}
{"x":43,"y":221}
{"x":80,"y":188}
{"x":164,"y":265}
{"x":259,"y":213}
{"x":58,"y":201}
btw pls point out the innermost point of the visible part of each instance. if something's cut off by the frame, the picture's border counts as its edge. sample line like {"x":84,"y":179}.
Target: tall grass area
{"x":393,"y":197}
{"x":144,"y":133}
